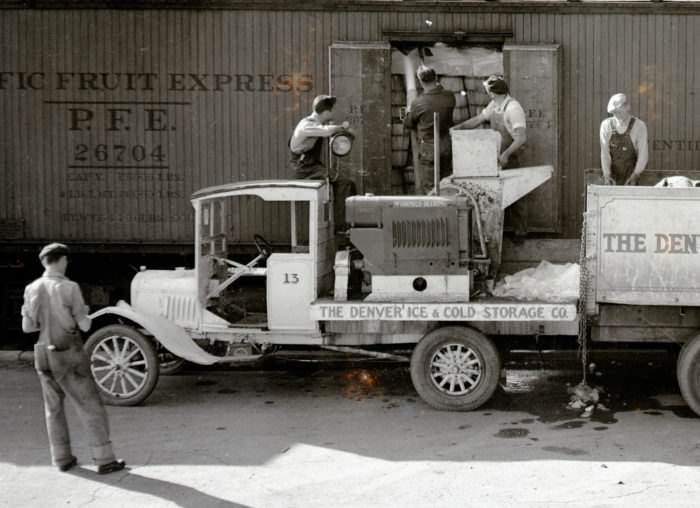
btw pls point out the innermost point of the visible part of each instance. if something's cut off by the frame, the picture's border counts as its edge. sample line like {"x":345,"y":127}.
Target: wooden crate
{"x":400,"y":142}
{"x":398,"y":83}
{"x":398,"y":98}
{"x":398,"y":129}
{"x":399,"y":158}
{"x":460,"y":115}
{"x":452,"y":83}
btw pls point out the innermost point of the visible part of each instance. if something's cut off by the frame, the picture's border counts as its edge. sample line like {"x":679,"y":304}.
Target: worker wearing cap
{"x":624,"y":150}
{"x":420,"y":117}
{"x":306,"y":143}
{"x":306,"y":149}
{"x":54,"y":306}
{"x":506,"y":116}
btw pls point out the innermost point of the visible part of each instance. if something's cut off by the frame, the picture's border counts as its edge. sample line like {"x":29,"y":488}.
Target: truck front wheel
{"x":455,"y":368}
{"x":688,"y":372}
{"x":123,"y":363}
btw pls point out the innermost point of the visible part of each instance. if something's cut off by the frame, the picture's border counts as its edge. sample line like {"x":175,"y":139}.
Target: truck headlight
{"x":341,"y":144}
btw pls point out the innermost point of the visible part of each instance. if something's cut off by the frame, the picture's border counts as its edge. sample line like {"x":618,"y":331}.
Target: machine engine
{"x":414,"y":247}
{"x":428,"y":248}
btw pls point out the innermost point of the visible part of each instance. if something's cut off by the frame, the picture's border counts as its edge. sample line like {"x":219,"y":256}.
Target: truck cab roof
{"x":269,"y":190}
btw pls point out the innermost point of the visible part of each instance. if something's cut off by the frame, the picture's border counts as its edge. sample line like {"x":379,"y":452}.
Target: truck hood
{"x":171,"y":294}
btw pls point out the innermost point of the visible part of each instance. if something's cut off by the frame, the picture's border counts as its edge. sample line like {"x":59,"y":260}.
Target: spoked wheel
{"x":688,"y":373}
{"x":455,"y":368}
{"x":123,"y":363}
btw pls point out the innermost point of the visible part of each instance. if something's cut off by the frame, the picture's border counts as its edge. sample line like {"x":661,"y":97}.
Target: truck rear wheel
{"x":688,"y":373}
{"x":123,"y":363}
{"x":455,"y":368}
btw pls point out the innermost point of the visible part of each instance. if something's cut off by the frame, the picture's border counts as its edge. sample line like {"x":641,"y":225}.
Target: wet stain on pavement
{"x":630,"y":384}
{"x":541,"y":393}
{"x":563,"y":450}
{"x":574,"y":424}
{"x":512,"y":433}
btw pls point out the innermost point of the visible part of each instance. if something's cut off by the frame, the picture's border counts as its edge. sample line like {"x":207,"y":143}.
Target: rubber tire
{"x":480,"y":344}
{"x":170,"y":367}
{"x":149,"y":353}
{"x":688,"y":373}
{"x":175,"y":366}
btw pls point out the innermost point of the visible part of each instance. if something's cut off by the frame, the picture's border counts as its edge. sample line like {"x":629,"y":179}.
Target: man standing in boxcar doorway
{"x":306,"y":152}
{"x":624,"y":150}
{"x":54,"y":306}
{"x":420,"y":117}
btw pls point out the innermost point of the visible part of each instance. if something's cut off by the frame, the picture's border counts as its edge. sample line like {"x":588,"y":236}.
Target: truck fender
{"x":173,"y":337}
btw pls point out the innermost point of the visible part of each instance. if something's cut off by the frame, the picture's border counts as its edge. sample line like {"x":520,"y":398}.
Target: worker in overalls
{"x":506,"y":116}
{"x":54,"y":306}
{"x":624,"y":150}
{"x":306,"y":152}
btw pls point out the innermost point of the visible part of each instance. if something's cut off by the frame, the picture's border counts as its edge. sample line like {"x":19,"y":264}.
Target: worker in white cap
{"x":624,"y":150}
{"x":306,"y":149}
{"x":54,"y":307}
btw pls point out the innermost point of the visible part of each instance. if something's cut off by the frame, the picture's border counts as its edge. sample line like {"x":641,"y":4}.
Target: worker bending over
{"x":306,"y":149}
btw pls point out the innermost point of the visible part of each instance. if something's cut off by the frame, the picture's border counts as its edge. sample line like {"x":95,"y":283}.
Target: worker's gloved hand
{"x":632,"y":180}
{"x":503,"y":159}
{"x":608,"y":180}
{"x":345,"y":125}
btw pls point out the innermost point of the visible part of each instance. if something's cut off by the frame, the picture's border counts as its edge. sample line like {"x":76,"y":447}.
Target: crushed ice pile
{"x":548,"y":282}
{"x":587,"y":398}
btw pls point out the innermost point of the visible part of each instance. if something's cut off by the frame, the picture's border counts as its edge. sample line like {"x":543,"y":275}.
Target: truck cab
{"x":288,"y":278}
{"x":194,"y":314}
{"x":293,"y":277}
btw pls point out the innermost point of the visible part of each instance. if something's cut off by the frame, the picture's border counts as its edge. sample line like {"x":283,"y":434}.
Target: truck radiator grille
{"x":180,"y":309}
{"x":420,"y":234}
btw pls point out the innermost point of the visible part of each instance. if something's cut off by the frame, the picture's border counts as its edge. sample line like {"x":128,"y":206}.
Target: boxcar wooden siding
{"x":197,"y":98}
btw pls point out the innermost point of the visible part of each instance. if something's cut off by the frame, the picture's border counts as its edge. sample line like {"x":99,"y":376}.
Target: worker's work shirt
{"x":55,"y":306}
{"x":638,"y":133}
{"x":307,"y":132}
{"x":510,"y":113}
{"x":420,"y":118}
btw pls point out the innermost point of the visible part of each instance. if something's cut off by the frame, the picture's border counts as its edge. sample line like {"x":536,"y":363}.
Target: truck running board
{"x":366,"y":352}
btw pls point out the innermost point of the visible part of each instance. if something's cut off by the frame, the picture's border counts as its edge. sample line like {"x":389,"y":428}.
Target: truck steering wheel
{"x":263,"y":246}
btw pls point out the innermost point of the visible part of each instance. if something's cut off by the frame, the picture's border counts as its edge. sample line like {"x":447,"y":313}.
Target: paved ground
{"x":355,"y":435}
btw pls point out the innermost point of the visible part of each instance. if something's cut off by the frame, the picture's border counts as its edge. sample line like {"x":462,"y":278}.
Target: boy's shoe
{"x":111,"y":467}
{"x":68,"y":465}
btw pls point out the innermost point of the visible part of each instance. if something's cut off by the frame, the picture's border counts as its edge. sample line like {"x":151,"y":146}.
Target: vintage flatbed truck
{"x":415,"y":274}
